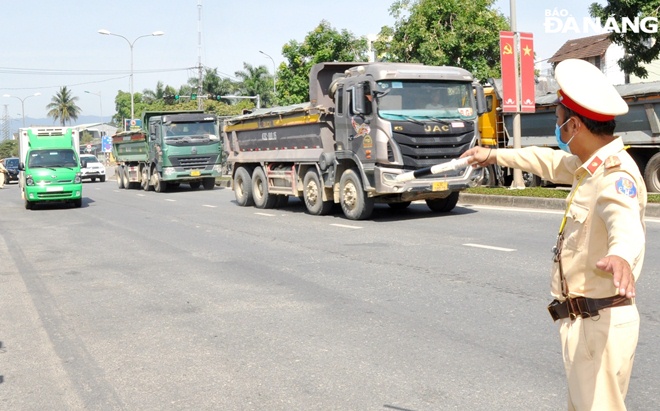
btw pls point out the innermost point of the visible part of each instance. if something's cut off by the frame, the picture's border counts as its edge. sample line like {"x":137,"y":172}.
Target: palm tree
{"x":150,"y":96}
{"x":256,"y":81}
{"x":63,"y":106}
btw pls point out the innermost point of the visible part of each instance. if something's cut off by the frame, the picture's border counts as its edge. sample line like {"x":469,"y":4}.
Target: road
{"x":183,"y":300}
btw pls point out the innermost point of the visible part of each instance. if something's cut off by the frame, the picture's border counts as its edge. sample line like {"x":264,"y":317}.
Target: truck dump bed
{"x":297,"y":132}
{"x":130,"y":146}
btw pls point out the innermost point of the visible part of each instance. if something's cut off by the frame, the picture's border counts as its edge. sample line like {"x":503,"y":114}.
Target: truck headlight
{"x":217,"y":168}
{"x":77,"y":179}
{"x":29,"y":180}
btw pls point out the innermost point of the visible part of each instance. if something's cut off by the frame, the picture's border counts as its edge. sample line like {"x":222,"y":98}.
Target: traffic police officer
{"x":600,"y":246}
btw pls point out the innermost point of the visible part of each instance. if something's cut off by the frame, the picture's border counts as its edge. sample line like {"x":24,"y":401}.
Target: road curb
{"x":652,"y":210}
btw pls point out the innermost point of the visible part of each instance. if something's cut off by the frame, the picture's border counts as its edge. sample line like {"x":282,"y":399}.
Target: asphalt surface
{"x":652,"y":210}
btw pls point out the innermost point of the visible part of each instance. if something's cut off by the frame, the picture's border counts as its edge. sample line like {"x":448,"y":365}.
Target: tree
{"x":641,"y":47}
{"x":63,"y":106}
{"x":149,"y":96}
{"x":255,"y":81}
{"x":323,"y":44}
{"x":9,"y":148}
{"x":445,"y":32}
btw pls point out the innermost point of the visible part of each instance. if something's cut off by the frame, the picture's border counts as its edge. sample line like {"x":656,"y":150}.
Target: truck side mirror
{"x":481,"y":99}
{"x":83,"y":163}
{"x":21,"y":166}
{"x":358,"y":99}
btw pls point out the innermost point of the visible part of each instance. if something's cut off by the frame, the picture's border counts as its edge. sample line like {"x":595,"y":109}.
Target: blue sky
{"x":49,"y":44}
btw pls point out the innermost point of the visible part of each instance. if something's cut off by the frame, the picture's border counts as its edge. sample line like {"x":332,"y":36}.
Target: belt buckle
{"x":573,"y":308}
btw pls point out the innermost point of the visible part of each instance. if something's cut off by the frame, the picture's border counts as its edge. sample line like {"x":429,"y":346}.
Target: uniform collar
{"x":597,"y":159}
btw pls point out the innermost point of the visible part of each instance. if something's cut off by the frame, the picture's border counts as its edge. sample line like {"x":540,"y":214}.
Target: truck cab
{"x":49,"y":166}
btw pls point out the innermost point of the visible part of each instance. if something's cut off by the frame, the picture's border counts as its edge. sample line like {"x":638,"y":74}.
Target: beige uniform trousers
{"x":598,"y":356}
{"x":2,"y":180}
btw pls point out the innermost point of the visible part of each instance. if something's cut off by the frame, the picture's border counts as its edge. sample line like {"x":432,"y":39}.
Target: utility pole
{"x":518,"y":182}
{"x":199,"y":55}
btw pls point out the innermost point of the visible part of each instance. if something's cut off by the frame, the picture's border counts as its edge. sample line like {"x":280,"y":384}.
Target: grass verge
{"x":539,"y":192}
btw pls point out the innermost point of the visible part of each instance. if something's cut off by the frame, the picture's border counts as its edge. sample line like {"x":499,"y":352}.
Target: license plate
{"x":195,"y":173}
{"x":52,"y":189}
{"x":440,"y":186}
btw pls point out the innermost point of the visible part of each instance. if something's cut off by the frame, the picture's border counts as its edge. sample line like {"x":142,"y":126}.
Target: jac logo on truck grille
{"x":193,"y":150}
{"x":436,"y":129}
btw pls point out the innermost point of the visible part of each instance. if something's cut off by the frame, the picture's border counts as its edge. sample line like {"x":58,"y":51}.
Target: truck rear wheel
{"x":354,"y":201}
{"x":652,"y":174}
{"x":313,"y":194}
{"x":262,"y":199}
{"x":127,"y":182}
{"x":443,"y":205}
{"x":243,"y":187}
{"x":145,"y":180}
{"x":119,"y":171}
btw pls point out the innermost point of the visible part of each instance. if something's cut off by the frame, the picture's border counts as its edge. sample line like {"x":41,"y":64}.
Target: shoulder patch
{"x":612,"y":161}
{"x":595,"y":163}
{"x":626,"y":187}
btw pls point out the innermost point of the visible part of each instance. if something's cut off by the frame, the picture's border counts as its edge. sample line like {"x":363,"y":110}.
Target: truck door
{"x":361,"y":119}
{"x":155,"y":149}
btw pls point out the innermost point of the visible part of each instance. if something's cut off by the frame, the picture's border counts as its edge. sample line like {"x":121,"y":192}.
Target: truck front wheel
{"x":209,"y":183}
{"x":160,"y":186}
{"x":262,"y":198}
{"x":443,"y":205}
{"x":652,"y":174}
{"x":354,"y":201}
{"x":313,"y":194}
{"x":243,"y":187}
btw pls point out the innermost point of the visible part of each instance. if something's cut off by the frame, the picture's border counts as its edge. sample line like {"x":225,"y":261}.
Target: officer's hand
{"x":481,"y":156}
{"x":621,"y":274}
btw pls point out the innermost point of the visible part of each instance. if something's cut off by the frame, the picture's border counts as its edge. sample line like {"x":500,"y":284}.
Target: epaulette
{"x":612,"y":161}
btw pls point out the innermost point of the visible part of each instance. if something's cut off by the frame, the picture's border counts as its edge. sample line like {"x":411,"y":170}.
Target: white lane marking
{"x":515,"y":209}
{"x":209,"y":206}
{"x":346,"y":226}
{"x":141,"y":195}
{"x":490,"y":247}
{"x":169,"y":199}
{"x":266,"y":214}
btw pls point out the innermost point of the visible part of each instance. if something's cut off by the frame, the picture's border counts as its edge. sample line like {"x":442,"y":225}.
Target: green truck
{"x":49,"y":167}
{"x":171,"y":148}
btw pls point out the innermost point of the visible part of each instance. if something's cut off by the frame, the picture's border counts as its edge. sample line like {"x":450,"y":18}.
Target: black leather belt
{"x":584,"y":307}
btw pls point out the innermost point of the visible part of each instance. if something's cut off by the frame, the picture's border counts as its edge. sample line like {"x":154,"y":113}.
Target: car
{"x":11,"y":164}
{"x":91,"y":168}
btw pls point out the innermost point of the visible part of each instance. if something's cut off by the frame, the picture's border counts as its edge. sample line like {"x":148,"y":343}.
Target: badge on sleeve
{"x":626,"y":187}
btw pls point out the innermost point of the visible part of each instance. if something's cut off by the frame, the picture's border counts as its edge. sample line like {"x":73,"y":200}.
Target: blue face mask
{"x":560,"y":143}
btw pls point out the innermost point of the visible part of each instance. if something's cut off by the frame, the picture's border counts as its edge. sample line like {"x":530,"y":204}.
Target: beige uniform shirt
{"x":606,"y":216}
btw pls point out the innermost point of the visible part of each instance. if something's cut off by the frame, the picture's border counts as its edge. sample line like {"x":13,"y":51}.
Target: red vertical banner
{"x":527,"y":83}
{"x":508,"y":61}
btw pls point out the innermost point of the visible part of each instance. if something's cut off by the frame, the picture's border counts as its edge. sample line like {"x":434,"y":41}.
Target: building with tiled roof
{"x":598,"y":50}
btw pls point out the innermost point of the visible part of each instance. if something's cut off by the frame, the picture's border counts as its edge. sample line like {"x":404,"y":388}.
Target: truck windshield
{"x":424,"y":100}
{"x":190,"y":129}
{"x":52,"y":158}
{"x":11,"y":162}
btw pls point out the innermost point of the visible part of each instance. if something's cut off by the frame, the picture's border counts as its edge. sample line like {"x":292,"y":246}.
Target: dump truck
{"x":171,"y":148}
{"x":49,"y":166}
{"x":365,"y":124}
{"x":639,"y":129}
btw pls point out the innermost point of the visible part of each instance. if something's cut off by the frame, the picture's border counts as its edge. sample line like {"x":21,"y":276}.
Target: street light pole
{"x":22,"y":103}
{"x":274,"y":70}
{"x":100,"y":102}
{"x":130,"y":44}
